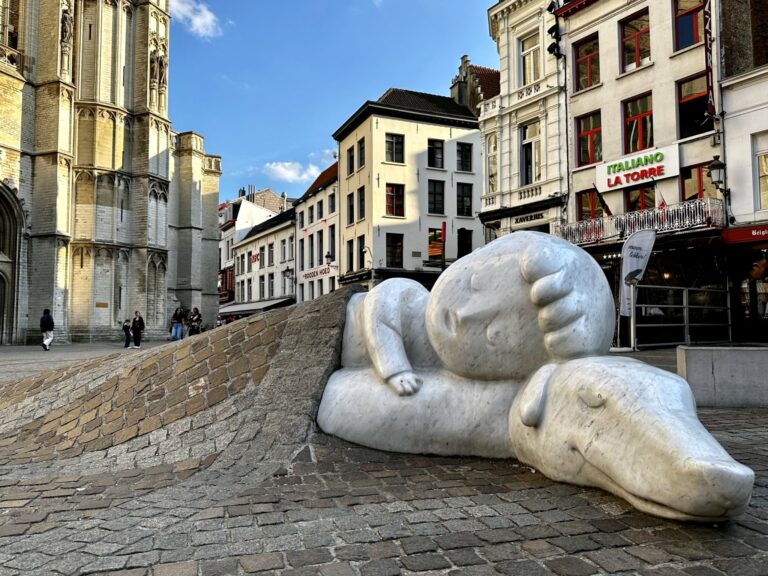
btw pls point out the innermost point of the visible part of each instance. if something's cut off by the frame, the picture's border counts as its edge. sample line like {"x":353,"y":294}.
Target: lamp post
{"x":328,"y":259}
{"x":716,"y":172}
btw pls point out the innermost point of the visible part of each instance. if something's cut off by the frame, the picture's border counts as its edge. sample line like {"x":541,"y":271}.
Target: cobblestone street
{"x":242,"y":482}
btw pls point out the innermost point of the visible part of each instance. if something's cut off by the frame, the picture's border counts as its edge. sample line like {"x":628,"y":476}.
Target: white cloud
{"x":291,"y":172}
{"x":324,"y":158}
{"x":196,"y":17}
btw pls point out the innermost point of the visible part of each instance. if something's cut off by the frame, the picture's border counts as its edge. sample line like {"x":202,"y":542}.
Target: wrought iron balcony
{"x":706,"y":213}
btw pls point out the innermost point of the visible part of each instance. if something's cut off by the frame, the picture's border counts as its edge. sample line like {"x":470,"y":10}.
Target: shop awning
{"x":252,"y":307}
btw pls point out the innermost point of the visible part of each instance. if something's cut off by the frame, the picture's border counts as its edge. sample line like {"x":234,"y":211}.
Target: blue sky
{"x":267,"y":82}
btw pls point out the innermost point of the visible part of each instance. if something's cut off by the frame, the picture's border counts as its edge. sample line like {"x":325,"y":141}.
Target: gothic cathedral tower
{"x":90,"y":198}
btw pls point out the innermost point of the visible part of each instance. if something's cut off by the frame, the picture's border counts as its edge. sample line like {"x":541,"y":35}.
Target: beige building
{"x":104,"y":209}
{"x":409,"y":187}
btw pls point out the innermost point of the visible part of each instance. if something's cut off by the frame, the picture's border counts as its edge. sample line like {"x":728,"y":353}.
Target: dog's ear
{"x":532,"y":398}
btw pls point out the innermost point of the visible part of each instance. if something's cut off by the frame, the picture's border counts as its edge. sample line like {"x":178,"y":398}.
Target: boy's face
{"x":481,"y":322}
{"x":759,"y":270}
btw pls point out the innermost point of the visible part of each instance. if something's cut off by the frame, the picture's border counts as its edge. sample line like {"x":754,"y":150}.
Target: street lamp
{"x":328,"y":259}
{"x":716,"y":170}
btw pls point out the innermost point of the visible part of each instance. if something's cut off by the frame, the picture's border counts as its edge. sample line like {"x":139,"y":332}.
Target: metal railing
{"x":671,"y":315}
{"x":704,"y":213}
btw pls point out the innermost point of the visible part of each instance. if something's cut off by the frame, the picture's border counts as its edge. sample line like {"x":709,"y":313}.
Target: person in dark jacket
{"x":127,"y":332}
{"x":137,"y":327}
{"x":177,"y":324}
{"x":195,"y":322}
{"x":46,"y":327}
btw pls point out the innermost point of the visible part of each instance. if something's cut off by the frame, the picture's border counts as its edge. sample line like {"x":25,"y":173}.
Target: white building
{"x":264,"y":267}
{"x":642,"y":131}
{"x":523,"y":126}
{"x":317,"y":230}
{"x":410,"y":171}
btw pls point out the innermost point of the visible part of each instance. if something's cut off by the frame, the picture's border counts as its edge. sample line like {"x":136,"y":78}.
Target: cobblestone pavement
{"x":254,"y":488}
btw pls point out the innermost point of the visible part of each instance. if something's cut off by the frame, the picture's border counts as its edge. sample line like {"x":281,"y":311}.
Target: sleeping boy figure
{"x":437,"y":372}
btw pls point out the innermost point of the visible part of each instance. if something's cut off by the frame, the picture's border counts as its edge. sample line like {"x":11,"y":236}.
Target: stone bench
{"x":725,"y":376}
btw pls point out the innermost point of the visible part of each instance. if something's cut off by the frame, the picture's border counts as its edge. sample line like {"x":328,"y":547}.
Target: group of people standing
{"x":132,"y":328}
{"x":180,"y":319}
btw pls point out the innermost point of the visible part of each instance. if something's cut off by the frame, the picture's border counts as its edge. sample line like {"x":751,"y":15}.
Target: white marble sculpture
{"x":506,"y":357}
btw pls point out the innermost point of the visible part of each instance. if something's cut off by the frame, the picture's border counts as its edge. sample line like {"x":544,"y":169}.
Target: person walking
{"x":46,"y":327}
{"x":127,"y":332}
{"x":177,"y":324}
{"x":137,"y":327}
{"x":195,"y":322}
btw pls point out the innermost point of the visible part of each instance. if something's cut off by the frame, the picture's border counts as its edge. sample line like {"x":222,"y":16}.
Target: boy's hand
{"x":405,"y":383}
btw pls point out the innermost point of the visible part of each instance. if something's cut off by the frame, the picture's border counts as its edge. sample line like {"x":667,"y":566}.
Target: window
{"x":301,"y":292}
{"x":435,"y":153}
{"x":464,"y":242}
{"x":250,"y":289}
{"x":250,"y":260}
{"x":319,"y":210}
{"x":311,"y":290}
{"x":530,"y":154}
{"x":350,"y":160}
{"x":695,"y":183}
{"x":395,"y":200}
{"x":350,"y":208}
{"x":762,"y":179}
{"x":587,"y":63}
{"x":361,"y":203}
{"x":320,"y":252}
{"x":331,"y":203}
{"x":589,"y":206}
{"x":301,"y":220}
{"x":320,"y":287}
{"x":261,"y":287}
{"x":261,"y":257}
{"x":360,"y":153}
{"x":638,"y":124}
{"x":636,"y":42}
{"x":640,"y":199}
{"x":290,"y":247}
{"x":436,"y":197}
{"x":590,"y":140}
{"x":395,"y":147}
{"x":394,"y":250}
{"x":435,"y":246}
{"x":331,"y":284}
{"x":350,"y":255}
{"x":311,"y":250}
{"x":464,"y":157}
{"x":361,"y":252}
{"x":692,"y":107}
{"x":529,"y":59}
{"x":332,"y":241}
{"x":310,"y":214}
{"x":271,"y":254}
{"x":271,"y":285}
{"x":282,"y":250}
{"x":242,"y":263}
{"x":689,"y":23}
{"x":301,"y":254}
{"x":463,"y":199}
{"x":493,"y":163}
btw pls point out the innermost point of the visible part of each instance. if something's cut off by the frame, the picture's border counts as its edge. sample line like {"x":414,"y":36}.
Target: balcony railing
{"x":706,"y":213}
{"x":10,"y":57}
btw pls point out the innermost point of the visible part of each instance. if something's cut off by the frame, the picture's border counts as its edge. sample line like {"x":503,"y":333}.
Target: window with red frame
{"x":587,"y":63}
{"x":590,"y":139}
{"x":589,"y":206}
{"x":695,"y":184}
{"x":689,"y":23}
{"x":636,"y":42}
{"x":692,"y":107}
{"x":638,"y":124}
{"x":395,"y":200}
{"x":638,"y":199}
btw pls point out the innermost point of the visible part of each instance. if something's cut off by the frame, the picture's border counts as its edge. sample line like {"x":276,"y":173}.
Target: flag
{"x":601,"y":200}
{"x":634,"y":258}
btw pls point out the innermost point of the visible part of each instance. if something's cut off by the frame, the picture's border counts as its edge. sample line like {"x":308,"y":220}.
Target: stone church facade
{"x":104,"y":209}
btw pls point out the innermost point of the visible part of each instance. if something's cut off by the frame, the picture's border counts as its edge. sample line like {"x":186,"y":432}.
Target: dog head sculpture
{"x":631,"y":429}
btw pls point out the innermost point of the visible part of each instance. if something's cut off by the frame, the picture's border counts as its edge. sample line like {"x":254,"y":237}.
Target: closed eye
{"x":591,"y":398}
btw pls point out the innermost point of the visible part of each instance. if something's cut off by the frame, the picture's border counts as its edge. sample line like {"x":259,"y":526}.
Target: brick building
{"x":104,"y":208}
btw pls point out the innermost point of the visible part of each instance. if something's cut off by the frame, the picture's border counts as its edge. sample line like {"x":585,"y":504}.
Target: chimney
{"x":241,"y":193}
{"x":459,"y":86}
{"x":284,"y":196}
